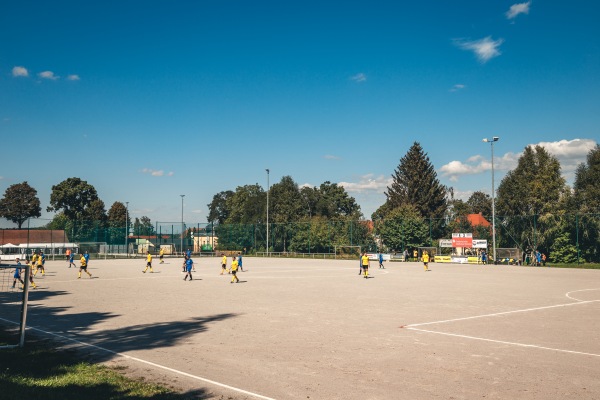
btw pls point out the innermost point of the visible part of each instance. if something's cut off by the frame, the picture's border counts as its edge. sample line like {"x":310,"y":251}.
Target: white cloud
{"x":360,"y":77}
{"x":331,"y":157}
{"x":516,"y":9}
{"x":48,"y":75}
{"x":367,"y":183}
{"x":570,"y":153}
{"x":20,"y":71}
{"x":485,"y":49}
{"x":457,"y":87}
{"x":73,"y":77}
{"x":154,"y":172}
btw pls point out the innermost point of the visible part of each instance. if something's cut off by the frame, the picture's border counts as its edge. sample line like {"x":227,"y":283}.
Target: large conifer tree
{"x":415,"y":183}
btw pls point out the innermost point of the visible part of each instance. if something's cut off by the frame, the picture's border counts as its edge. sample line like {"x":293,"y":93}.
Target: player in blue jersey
{"x":189,"y":264}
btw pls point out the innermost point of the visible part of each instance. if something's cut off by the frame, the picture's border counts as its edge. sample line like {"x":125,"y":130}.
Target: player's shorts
{"x":17,"y":275}
{"x":234,"y":272}
{"x":149,"y":264}
{"x":188,"y":269}
{"x":365,"y":267}
{"x":224,"y":266}
{"x":161,"y":257}
{"x":83,"y":267}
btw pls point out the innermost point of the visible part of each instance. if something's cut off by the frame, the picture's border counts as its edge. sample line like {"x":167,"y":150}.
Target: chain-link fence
{"x":564,"y":238}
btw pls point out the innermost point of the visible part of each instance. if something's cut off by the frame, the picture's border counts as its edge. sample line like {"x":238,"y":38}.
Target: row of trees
{"x":79,"y":211}
{"x":302,"y":219}
{"x":535,"y":209}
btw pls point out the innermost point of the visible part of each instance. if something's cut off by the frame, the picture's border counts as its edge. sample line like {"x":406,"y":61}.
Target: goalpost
{"x":14,"y":301}
{"x":347,"y":251}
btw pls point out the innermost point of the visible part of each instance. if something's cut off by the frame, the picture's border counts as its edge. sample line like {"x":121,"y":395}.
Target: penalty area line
{"x":501,"y":313}
{"x":504,"y":342}
{"x":140,"y":360}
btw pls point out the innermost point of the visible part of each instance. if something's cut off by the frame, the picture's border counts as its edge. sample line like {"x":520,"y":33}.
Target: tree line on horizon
{"x":535,"y":210}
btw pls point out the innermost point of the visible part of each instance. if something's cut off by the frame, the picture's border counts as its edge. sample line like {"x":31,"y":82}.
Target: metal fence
{"x":564,"y":238}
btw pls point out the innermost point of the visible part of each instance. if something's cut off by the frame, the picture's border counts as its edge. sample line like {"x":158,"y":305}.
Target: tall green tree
{"x":403,"y":228}
{"x":218,"y":211}
{"x":73,"y":197}
{"x":118,"y":220}
{"x":480,"y":203}
{"x":20,"y":202}
{"x":415,"y":182}
{"x":143,"y":226}
{"x":247,"y":205}
{"x":534,"y":189}
{"x":285,"y":206}
{"x":334,"y":202}
{"x":586,"y":200}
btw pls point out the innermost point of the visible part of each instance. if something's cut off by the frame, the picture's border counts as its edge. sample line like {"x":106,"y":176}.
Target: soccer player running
{"x":161,"y":253}
{"x":87,"y":258}
{"x":17,"y":275}
{"x":83,"y":266}
{"x":189,"y":264}
{"x":239,"y":260}
{"x":234,"y":268}
{"x":365,"y":264}
{"x":426,"y":260}
{"x":223,"y":264}
{"x":381,"y":261}
{"x":148,"y":262}
{"x":71,"y":260}
{"x":41,"y":259}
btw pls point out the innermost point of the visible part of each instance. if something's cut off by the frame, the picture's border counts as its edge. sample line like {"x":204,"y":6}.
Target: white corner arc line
{"x":576,"y":291}
{"x":502,"y":313}
{"x":505,"y":342}
{"x":258,"y":396}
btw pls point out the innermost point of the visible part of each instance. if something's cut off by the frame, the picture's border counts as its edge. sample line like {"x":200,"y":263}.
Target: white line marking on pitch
{"x":502,"y":313}
{"x":147,"y":362}
{"x":504,"y":342}
{"x":575,"y":291}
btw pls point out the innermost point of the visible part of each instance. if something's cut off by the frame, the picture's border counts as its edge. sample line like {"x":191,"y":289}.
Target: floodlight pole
{"x":182,"y":229}
{"x":126,"y":227}
{"x":268,"y":189}
{"x":491,"y":141}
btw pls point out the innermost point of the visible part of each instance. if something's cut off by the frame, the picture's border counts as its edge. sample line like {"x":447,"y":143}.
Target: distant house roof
{"x":24,"y":236}
{"x":477,"y":220}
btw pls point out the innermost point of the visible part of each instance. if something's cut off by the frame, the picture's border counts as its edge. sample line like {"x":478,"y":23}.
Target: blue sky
{"x":147,"y":100}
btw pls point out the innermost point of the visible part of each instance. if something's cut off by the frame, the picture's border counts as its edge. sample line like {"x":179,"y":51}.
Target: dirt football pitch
{"x":315,"y":329}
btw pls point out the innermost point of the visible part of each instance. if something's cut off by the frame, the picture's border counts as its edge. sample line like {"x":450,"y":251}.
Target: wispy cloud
{"x":570,"y":153}
{"x":367,"y":183}
{"x":457,"y":87}
{"x":154,"y":172}
{"x":360,"y":77}
{"x":73,"y":77}
{"x":516,"y":9}
{"x":331,"y":157}
{"x":485,"y":49}
{"x":20,"y":71}
{"x":48,"y":75}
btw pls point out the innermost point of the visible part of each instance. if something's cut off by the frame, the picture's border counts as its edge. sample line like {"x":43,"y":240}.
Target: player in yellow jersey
{"x":426,"y":260}
{"x":83,"y":266}
{"x":33,"y":263}
{"x":160,"y":255}
{"x":234,"y":268}
{"x":148,"y":262}
{"x":223,"y":264}
{"x":365,"y":264}
{"x":41,"y":261}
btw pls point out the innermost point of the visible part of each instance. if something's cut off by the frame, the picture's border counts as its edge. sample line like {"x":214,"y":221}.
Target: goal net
{"x":14,"y":291}
{"x":347,"y":252}
{"x":508,"y":255}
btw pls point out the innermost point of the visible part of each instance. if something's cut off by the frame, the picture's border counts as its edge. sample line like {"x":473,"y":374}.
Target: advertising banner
{"x":462,"y":240}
